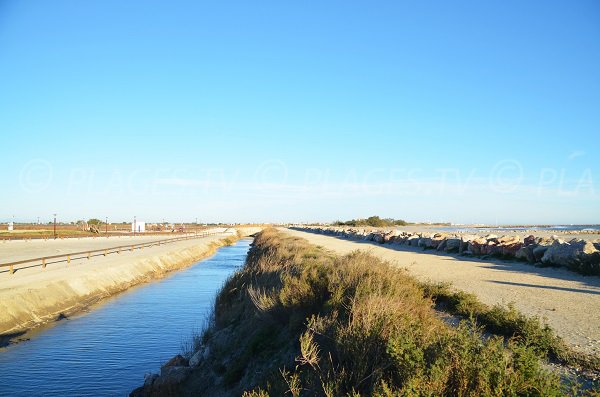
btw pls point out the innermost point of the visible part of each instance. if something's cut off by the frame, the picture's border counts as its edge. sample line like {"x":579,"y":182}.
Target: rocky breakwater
{"x":576,"y":254}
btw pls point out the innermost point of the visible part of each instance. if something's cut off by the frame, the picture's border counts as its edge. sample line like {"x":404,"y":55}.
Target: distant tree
{"x":373,"y":221}
{"x":94,"y":221}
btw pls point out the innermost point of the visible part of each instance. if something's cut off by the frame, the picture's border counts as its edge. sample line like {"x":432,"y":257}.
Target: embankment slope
{"x":32,"y":297}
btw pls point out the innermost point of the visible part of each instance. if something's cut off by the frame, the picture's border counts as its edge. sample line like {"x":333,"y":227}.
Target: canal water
{"x":107,"y":351}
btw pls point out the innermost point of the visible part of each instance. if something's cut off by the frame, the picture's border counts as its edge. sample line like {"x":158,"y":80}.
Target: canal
{"x":107,"y":351}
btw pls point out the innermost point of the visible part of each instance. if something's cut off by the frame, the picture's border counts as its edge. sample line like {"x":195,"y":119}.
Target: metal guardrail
{"x":103,"y":251}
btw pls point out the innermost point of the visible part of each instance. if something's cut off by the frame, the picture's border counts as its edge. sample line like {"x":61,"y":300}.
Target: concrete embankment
{"x":32,"y":297}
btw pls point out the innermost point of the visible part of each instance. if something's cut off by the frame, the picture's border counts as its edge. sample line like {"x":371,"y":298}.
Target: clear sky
{"x":462,"y":111}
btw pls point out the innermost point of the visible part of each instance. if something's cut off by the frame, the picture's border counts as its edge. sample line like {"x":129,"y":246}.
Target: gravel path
{"x":568,"y":302}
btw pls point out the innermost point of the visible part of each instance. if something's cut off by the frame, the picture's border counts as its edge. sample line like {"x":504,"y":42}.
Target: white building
{"x":140,"y":227}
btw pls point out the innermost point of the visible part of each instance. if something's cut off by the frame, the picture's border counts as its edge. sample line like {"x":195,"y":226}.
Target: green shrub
{"x":297,"y":320}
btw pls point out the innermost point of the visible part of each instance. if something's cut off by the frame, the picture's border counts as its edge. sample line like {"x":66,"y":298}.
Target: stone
{"x":529,"y":240}
{"x":525,"y":253}
{"x":171,"y":376}
{"x":400,"y":240}
{"x":539,"y":251}
{"x":177,"y":361}
{"x":491,"y":237}
{"x":424,"y":242}
{"x":464,"y":246}
{"x":574,"y":255}
{"x":492,"y":248}
{"x":149,"y":379}
{"x":413,"y":241}
{"x":477,"y":245}
{"x":199,"y":356}
{"x":510,"y":248}
{"x":453,"y":244}
{"x":442,"y":245}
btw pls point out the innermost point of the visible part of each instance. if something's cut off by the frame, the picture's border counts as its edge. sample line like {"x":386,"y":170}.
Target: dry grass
{"x":298,"y":320}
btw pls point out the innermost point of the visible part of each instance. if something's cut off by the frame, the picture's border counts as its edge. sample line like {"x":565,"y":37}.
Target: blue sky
{"x":463,"y":111}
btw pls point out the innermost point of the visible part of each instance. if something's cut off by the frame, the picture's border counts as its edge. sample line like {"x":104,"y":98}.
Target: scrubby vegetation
{"x":299,"y":321}
{"x":509,"y":322}
{"x":373,"y":221}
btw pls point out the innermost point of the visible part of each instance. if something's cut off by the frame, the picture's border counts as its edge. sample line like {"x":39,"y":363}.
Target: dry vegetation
{"x":299,"y":321}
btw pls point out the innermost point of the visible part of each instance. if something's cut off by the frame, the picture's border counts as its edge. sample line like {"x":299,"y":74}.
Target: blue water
{"x":107,"y":352}
{"x":558,"y":228}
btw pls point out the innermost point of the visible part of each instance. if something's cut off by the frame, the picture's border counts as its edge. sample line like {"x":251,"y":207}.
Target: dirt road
{"x":569,"y":302}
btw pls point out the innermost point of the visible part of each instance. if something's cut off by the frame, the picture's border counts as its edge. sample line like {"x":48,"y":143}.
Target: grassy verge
{"x":510,"y":323}
{"x":299,"y":320}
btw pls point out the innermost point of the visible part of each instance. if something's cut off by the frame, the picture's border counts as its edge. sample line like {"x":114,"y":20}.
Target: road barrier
{"x":43,"y":261}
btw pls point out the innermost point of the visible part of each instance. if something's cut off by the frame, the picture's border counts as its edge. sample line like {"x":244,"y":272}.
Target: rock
{"x":400,"y":240}
{"x":436,"y":241}
{"x":442,"y":245}
{"x":464,"y":245}
{"x":378,"y":238}
{"x":510,"y":247}
{"x":577,"y":255}
{"x":168,"y":383}
{"x":526,"y":254}
{"x":506,"y":239}
{"x":149,"y":379}
{"x":539,"y":251}
{"x":390,"y":236}
{"x":453,"y":244}
{"x":199,"y":356}
{"x":476,"y":246}
{"x":492,"y":248}
{"x":425,"y":242}
{"x":177,"y":361}
{"x":529,"y":240}
{"x":171,"y":376}
{"x":491,"y":237}
{"x":413,"y":241}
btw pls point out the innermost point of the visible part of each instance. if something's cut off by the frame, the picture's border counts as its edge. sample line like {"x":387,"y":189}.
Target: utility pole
{"x":106,"y":223}
{"x":54,"y":226}
{"x":134,"y":226}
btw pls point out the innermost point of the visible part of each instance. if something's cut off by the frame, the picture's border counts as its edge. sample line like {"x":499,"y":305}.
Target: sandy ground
{"x":568,"y":302}
{"x":33,"y":296}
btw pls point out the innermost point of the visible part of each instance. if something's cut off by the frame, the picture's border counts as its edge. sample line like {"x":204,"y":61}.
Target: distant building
{"x":11,"y":226}
{"x":140,"y":227}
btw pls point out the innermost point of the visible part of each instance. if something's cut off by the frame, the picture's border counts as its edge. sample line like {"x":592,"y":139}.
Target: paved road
{"x":15,"y":250}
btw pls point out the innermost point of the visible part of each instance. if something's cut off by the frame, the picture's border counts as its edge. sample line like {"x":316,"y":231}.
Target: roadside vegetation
{"x":509,"y":322}
{"x":300,"y":321}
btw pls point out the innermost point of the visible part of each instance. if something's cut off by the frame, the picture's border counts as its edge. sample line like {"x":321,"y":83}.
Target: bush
{"x":297,"y":319}
{"x":373,"y":221}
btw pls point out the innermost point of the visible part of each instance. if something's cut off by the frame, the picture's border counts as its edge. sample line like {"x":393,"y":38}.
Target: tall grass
{"x":299,"y":320}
